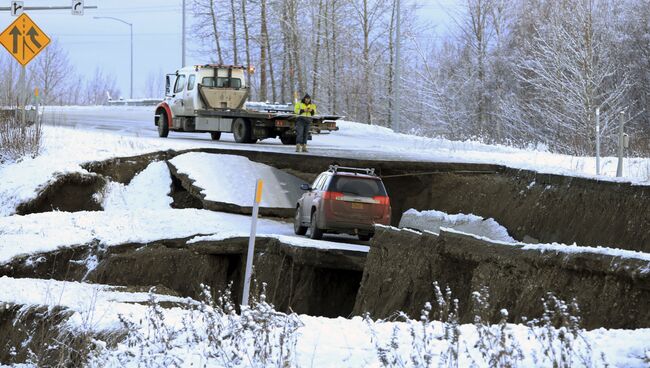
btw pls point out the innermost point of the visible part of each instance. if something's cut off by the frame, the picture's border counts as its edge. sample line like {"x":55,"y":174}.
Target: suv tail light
{"x":383,"y":200}
{"x":333,"y":196}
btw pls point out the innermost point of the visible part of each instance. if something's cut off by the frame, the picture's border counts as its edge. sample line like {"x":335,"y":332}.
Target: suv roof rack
{"x":336,"y":168}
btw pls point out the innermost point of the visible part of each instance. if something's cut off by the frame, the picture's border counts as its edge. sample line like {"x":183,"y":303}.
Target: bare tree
{"x":51,"y":72}
{"x":99,"y":87}
{"x":154,"y":84}
{"x":569,"y":75}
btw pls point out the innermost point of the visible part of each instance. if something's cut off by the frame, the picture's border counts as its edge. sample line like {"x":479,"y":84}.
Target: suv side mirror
{"x":305,"y":187}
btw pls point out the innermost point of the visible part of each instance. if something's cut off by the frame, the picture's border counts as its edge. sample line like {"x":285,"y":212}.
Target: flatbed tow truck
{"x":212,"y":98}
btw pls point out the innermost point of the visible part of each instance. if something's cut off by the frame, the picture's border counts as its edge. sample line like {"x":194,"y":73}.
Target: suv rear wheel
{"x":298,"y":228}
{"x":314,"y":232}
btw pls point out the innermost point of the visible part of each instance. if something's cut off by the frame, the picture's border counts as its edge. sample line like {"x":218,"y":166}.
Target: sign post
{"x":251,"y":243}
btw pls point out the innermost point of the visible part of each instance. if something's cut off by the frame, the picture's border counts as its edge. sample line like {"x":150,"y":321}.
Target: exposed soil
{"x":67,"y":264}
{"x":612,"y":292}
{"x":534,"y":207}
{"x":22,"y":330}
{"x":124,"y":169}
{"x":304,"y":280}
{"x":69,"y":192}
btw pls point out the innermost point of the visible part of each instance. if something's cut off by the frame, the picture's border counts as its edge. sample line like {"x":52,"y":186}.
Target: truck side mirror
{"x":167,"y":85}
{"x":305,"y":187}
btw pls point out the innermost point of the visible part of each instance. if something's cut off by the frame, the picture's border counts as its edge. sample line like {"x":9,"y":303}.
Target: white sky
{"x":104,"y":43}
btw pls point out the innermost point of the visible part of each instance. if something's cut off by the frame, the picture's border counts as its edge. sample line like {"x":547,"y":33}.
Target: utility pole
{"x":183,"y":38}
{"x":395,"y":124}
{"x":598,"y":141}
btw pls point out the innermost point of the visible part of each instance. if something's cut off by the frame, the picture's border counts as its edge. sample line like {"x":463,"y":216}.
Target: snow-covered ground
{"x":435,"y":220}
{"x":231,"y":179}
{"x":362,"y":141}
{"x":140,"y":212}
{"x":75,"y":135}
{"x":64,"y":150}
{"x":148,"y":190}
{"x":320,"y":342}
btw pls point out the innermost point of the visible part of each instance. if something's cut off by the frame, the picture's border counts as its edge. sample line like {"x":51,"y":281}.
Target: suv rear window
{"x":357,"y":186}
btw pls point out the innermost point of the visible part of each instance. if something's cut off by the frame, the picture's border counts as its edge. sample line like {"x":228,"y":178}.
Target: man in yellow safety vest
{"x":305,"y":108}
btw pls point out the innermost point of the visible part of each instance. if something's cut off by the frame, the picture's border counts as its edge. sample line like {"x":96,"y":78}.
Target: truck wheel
{"x":163,"y":125}
{"x":215,"y":136}
{"x":314,"y":232}
{"x":298,"y":228}
{"x":288,"y":139}
{"x":241,"y":129}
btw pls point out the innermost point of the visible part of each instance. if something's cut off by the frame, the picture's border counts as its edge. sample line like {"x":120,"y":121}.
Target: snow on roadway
{"x":106,"y":132}
{"x":46,"y":232}
{"x":149,"y":189}
{"x":231,"y":179}
{"x":357,"y":140}
{"x":321,"y":342}
{"x":434,"y":220}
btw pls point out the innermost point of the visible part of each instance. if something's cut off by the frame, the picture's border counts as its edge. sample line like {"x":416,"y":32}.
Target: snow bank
{"x":45,"y":232}
{"x":231,"y":179}
{"x":321,"y":342}
{"x":471,"y":224}
{"x":148,"y":190}
{"x":64,"y":151}
{"x":96,"y":307}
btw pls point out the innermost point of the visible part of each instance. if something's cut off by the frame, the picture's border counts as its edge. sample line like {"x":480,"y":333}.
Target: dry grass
{"x":17,"y":140}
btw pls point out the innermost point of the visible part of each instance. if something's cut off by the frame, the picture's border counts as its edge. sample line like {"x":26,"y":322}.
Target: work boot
{"x":298,"y":147}
{"x":304,"y":148}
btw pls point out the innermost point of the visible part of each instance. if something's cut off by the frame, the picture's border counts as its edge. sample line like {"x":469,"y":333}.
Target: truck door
{"x":189,"y":95}
{"x":177,"y":102}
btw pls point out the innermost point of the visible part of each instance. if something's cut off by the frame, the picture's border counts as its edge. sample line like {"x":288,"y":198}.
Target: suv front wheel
{"x":314,"y":232}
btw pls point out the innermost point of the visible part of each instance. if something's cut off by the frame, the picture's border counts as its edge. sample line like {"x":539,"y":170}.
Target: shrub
{"x":18,"y":140}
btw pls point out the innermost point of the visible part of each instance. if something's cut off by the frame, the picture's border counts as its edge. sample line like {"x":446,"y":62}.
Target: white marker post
{"x":251,"y":243}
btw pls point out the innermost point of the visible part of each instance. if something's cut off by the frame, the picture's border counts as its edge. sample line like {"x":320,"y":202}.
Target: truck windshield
{"x":357,"y":186}
{"x":221,"y":82}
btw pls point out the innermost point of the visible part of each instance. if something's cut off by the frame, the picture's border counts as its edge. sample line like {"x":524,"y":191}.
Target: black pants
{"x":302,"y":130}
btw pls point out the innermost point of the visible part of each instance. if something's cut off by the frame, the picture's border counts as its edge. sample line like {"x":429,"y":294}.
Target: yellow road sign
{"x":23,"y":39}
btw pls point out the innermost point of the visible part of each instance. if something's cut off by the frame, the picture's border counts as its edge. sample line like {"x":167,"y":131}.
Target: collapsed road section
{"x":305,"y":276}
{"x":534,"y":206}
{"x":611,"y":286}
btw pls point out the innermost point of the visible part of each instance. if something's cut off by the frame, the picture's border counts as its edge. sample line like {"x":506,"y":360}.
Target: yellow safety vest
{"x":304,"y":109}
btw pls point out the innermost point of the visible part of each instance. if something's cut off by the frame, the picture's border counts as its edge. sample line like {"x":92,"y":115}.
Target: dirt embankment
{"x":305,"y":280}
{"x":402,"y":265}
{"x":69,"y":192}
{"x":536,"y":207}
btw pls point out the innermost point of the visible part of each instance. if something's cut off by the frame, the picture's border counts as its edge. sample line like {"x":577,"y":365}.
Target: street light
{"x":131,"y":28}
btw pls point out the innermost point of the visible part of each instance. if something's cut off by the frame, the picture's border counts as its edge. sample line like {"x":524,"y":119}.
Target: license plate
{"x":357,"y":206}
